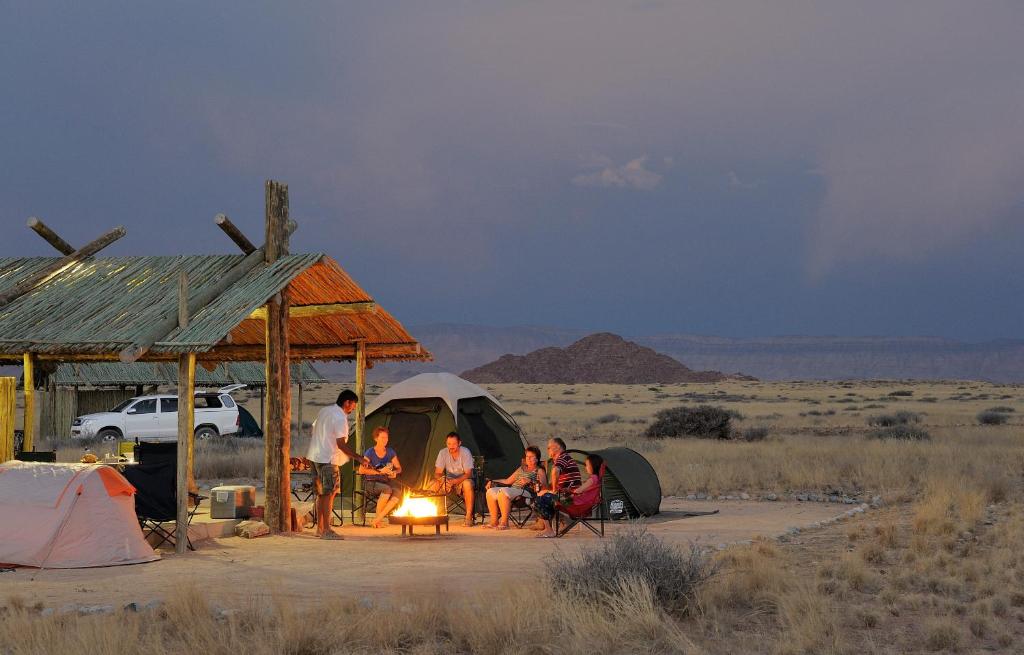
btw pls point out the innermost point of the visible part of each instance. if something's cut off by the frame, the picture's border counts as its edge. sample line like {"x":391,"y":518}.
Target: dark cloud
{"x":727,"y":167}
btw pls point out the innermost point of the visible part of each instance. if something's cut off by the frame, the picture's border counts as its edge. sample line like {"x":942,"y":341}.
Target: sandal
{"x":546,"y":536}
{"x":331,"y":535}
{"x":502,"y":526}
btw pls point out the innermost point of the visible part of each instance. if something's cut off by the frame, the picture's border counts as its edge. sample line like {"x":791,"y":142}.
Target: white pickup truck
{"x":155,"y":418}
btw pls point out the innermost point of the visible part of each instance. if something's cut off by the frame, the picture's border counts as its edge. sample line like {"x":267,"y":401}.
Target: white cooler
{"x":232,"y":501}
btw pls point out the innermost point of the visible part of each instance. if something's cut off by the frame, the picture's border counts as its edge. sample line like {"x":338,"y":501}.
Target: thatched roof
{"x":94,"y":309}
{"x":113,"y":374}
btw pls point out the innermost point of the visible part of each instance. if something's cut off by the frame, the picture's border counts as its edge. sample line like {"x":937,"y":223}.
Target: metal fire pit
{"x":409,"y":522}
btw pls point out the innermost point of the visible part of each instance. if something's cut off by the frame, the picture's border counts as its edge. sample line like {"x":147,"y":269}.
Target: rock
{"x":815,"y":525}
{"x":848,"y":501}
{"x":744,"y":496}
{"x":793,"y":530}
{"x":691,"y":497}
{"x":721,"y":497}
{"x":153,"y":605}
{"x":85,"y":610}
{"x":131,"y":607}
{"x":702,"y":496}
{"x":801,"y":497}
{"x":876,"y":501}
{"x":47,"y":611}
{"x":771,"y":497}
{"x":833,"y":499}
{"x":252,"y":529}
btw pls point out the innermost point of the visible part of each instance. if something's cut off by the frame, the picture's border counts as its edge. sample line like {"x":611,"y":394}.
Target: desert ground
{"x":932,"y":564}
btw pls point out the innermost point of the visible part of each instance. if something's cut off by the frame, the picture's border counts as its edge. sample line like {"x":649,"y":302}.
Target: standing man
{"x":329,"y":450}
{"x":453,"y":469}
{"x":565,"y":476}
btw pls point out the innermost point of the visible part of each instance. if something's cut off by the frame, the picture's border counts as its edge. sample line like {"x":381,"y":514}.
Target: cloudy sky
{"x":727,"y":168}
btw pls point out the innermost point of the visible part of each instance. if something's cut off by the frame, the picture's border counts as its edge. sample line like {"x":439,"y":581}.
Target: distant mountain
{"x":602,"y":358}
{"x":461,"y":347}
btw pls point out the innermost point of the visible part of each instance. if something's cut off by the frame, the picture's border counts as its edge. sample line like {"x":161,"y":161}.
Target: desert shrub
{"x":901,"y":393}
{"x":889,"y":420}
{"x":1001,"y":409}
{"x":735,"y":415}
{"x":989,"y":417}
{"x":519,"y":412}
{"x":597,"y":574}
{"x":704,"y":422}
{"x":756,"y":433}
{"x":608,"y":418}
{"x":902,"y":432}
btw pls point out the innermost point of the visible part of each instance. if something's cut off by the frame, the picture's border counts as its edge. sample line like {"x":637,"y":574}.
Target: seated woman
{"x":523,"y":482}
{"x":379,"y":476}
{"x":582,"y":495}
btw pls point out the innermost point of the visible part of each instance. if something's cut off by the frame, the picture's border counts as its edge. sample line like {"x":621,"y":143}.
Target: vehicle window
{"x":208,"y":402}
{"x":168,"y":405}
{"x":228,"y":401}
{"x":120,"y":406}
{"x":144,"y":407}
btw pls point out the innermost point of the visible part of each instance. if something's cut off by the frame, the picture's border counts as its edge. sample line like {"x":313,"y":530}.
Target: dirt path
{"x":379,"y":562}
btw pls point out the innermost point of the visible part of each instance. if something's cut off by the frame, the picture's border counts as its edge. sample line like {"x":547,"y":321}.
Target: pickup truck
{"x":155,"y":418}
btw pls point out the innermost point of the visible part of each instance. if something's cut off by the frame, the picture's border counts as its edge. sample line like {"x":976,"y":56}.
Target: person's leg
{"x":505,"y":502}
{"x":323,"y":512}
{"x":492,"y":506}
{"x":382,"y":503}
{"x":467,"y":493}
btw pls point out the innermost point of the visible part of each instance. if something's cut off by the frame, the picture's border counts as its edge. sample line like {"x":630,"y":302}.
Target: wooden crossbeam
{"x":307,"y":311}
{"x":224,"y":223}
{"x":51,"y":237}
{"x":88,"y":250}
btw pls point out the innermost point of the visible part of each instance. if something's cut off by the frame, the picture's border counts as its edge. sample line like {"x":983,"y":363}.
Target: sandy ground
{"x":374,"y":563}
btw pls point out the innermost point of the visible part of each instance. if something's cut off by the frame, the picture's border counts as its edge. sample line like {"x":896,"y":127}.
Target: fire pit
{"x":418,"y":510}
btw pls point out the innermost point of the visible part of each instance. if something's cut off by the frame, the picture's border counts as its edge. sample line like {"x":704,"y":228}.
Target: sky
{"x":644,"y":167}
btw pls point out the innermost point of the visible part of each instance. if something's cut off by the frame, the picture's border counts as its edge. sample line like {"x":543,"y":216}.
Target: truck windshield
{"x":120,"y":407}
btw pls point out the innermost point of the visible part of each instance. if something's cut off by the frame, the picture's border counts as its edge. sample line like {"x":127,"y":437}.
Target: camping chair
{"x":155,"y":479}
{"x":583,"y":514}
{"x":522,"y":510}
{"x":365,"y":502}
{"x":454,"y":501}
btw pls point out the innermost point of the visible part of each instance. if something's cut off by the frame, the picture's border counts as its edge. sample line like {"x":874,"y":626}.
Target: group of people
{"x":453,"y":472}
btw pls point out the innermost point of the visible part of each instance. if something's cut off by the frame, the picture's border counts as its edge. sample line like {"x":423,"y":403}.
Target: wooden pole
{"x":225,"y":224}
{"x":360,"y":409}
{"x":29,"y":422}
{"x":186,"y":420}
{"x":59,"y":265}
{"x":50,"y":236}
{"x":8,"y":403}
{"x":279,"y":418}
{"x":298,"y":420}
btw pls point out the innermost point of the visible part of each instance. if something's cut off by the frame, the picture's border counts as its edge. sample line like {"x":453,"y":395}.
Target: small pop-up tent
{"x":68,"y":516}
{"x":631,"y":485}
{"x":421,"y":411}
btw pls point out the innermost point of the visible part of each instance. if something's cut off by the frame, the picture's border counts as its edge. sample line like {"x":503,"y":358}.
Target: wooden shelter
{"x":262,"y":305}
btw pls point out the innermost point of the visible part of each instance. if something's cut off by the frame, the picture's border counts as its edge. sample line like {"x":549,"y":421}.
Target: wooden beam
{"x":29,"y":421}
{"x":360,"y":412}
{"x":306,"y":311}
{"x":60,"y":265}
{"x":186,"y":426}
{"x":165,"y":323}
{"x":225,"y":224}
{"x":277,"y":438}
{"x":8,"y":407}
{"x":183,"y":299}
{"x":50,"y":236}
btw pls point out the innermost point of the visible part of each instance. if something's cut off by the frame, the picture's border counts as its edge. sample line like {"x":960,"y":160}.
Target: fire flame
{"x":416,"y":507}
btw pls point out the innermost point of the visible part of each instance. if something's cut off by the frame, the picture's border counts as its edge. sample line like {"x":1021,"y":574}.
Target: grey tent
{"x":421,"y":411}
{"x":631,"y":485}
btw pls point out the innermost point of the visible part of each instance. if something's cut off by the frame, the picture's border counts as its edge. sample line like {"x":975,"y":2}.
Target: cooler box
{"x":232,"y":501}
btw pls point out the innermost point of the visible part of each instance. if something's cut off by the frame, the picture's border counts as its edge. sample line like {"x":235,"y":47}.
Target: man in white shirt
{"x":328,"y":451}
{"x":453,"y":471}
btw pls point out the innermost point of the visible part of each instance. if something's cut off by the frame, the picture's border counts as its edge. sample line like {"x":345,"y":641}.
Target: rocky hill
{"x":599,"y":358}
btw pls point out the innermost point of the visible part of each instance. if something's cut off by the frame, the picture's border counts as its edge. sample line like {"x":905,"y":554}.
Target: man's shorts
{"x":326,"y":478}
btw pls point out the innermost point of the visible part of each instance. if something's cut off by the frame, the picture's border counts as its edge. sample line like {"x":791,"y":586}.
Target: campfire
{"x":418,"y":510}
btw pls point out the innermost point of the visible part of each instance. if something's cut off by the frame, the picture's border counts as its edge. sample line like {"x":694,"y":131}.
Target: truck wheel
{"x":205,"y":432}
{"x":108,"y":434}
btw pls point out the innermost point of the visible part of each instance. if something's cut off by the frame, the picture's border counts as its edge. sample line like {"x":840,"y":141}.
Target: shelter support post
{"x":360,"y":413}
{"x":277,"y":439}
{"x":298,"y":408}
{"x":29,"y":422}
{"x":186,"y":419}
{"x":8,"y":402}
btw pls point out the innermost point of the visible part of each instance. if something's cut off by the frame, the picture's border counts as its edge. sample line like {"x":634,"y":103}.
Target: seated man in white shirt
{"x":453,"y":470}
{"x":329,"y":450}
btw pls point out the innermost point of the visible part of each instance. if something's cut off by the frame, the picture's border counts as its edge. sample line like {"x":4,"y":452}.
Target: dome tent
{"x":68,"y":516}
{"x":421,"y":411}
{"x":631,"y":485}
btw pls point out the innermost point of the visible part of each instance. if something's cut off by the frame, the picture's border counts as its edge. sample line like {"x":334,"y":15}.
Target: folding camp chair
{"x":522,"y":510}
{"x":584,"y":513}
{"x":48,"y":456}
{"x":155,"y":479}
